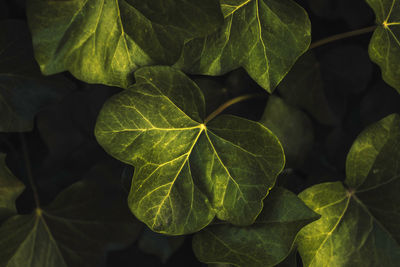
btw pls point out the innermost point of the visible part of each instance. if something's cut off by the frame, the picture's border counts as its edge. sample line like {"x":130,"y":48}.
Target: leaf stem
{"x":228,"y":104}
{"x":340,"y":36}
{"x":29,"y":169}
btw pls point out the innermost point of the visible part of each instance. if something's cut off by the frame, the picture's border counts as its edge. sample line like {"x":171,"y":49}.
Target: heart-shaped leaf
{"x":187,"y":170}
{"x":360,"y":222}
{"x":104,"y":41}
{"x":264,"y":36}
{"x":384,"y":48}
{"x":265,"y":243}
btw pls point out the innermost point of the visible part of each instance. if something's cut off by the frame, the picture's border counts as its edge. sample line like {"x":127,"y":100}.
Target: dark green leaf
{"x":186,"y":171}
{"x":384,"y":48}
{"x":73,"y":231}
{"x":264,"y":36}
{"x":104,"y":41}
{"x":359,"y":225}
{"x":10,"y":189}
{"x":23,"y":90}
{"x":292,"y":127}
{"x":265,"y":243}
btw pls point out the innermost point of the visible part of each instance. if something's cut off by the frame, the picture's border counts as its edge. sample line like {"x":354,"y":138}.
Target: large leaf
{"x":23,"y":89}
{"x":187,"y":171}
{"x":73,"y":230}
{"x":104,"y":41}
{"x":10,"y":189}
{"x":264,"y":36}
{"x":265,"y":243}
{"x":384,"y":48}
{"x":360,"y":222}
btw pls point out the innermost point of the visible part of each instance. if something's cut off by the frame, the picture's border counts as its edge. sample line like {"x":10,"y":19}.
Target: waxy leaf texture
{"x":187,"y":170}
{"x":360,"y":221}
{"x":263,"y":36}
{"x":265,"y":243}
{"x":384,"y":48}
{"x":104,"y":41}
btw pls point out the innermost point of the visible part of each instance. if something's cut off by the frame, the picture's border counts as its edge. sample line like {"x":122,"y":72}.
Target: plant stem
{"x":29,"y":170}
{"x":342,"y":36}
{"x":228,"y":104}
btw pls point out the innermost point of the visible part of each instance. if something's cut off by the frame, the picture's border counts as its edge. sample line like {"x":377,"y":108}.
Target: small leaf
{"x":292,"y":127}
{"x":23,"y":89}
{"x":264,"y":36}
{"x":384,"y":48}
{"x":105,"y":41}
{"x":10,"y":189}
{"x":360,"y":224}
{"x":73,"y":230}
{"x":186,"y":171}
{"x":265,"y":243}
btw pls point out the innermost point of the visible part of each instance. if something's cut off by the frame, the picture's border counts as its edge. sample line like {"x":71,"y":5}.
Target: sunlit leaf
{"x":360,"y":220}
{"x":265,"y":243}
{"x":384,"y":48}
{"x":186,"y":170}
{"x":104,"y":41}
{"x":10,"y":189}
{"x":264,"y":36}
{"x":23,"y":89}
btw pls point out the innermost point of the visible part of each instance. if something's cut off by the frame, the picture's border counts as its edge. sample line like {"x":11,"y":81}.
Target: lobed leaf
{"x":263,"y":36}
{"x":186,"y":170}
{"x":105,"y":41}
{"x":265,"y":243}
{"x":384,"y":48}
{"x":359,"y":224}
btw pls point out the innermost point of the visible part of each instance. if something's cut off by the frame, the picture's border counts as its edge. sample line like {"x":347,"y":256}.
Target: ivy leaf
{"x":23,"y":89}
{"x":73,"y":230}
{"x":384,"y":48}
{"x":264,"y":36}
{"x":104,"y":41}
{"x":360,"y":222}
{"x":10,"y":189}
{"x":187,"y":170}
{"x":265,"y":243}
{"x":295,"y":132}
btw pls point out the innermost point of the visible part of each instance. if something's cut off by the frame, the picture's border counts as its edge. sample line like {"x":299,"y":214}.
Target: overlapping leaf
{"x":384,"y":48}
{"x":265,"y":243}
{"x":186,"y":170}
{"x":264,"y":36}
{"x":72,"y":231}
{"x":23,"y":89}
{"x":10,"y":189}
{"x":104,"y":41}
{"x":360,"y":223}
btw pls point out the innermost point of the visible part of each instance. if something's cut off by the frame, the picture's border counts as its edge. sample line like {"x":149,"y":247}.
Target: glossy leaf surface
{"x":10,"y":189}
{"x":265,"y":243}
{"x":384,"y":48}
{"x":264,"y":36}
{"x":186,"y":171}
{"x":73,"y":230}
{"x":104,"y":41}
{"x":23,"y":89}
{"x":359,"y":225}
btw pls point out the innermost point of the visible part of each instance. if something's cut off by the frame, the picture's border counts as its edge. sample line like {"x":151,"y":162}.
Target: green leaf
{"x":187,"y":171}
{"x":265,"y":243}
{"x":384,"y":48}
{"x":292,"y":127}
{"x":73,"y":230}
{"x":264,"y":36}
{"x":23,"y":89}
{"x":10,"y":189}
{"x":360,"y":222}
{"x":104,"y":41}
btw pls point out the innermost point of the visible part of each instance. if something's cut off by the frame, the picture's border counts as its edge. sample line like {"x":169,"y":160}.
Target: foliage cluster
{"x":200,"y":131}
